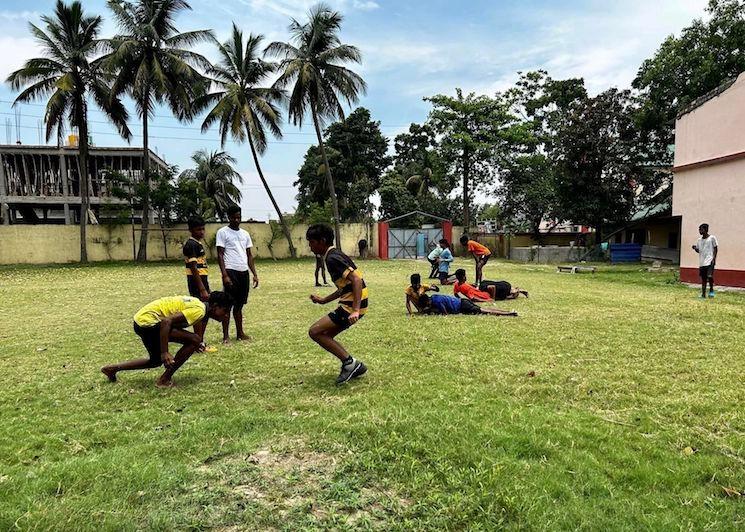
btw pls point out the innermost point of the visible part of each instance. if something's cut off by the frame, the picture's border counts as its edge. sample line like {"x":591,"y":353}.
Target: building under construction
{"x":41,"y":184}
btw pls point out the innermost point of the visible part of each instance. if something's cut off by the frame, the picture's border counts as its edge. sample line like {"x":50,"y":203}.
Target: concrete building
{"x":709,"y":182}
{"x":42,"y":183}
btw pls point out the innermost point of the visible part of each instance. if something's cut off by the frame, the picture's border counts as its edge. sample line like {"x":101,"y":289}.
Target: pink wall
{"x":713,"y":130}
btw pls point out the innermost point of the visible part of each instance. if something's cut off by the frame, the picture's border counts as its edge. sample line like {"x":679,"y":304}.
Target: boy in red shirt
{"x":480,"y":252}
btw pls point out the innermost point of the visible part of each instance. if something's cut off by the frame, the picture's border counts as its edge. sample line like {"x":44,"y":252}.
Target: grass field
{"x":614,"y":401}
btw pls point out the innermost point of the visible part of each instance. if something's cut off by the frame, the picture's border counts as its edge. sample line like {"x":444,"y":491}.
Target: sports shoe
{"x":712,"y":293}
{"x":351,"y":370}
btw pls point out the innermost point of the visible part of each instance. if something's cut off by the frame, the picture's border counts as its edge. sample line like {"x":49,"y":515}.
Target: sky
{"x":411,"y":49}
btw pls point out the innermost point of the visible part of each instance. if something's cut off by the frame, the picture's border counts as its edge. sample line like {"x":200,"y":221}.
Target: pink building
{"x":709,"y":183}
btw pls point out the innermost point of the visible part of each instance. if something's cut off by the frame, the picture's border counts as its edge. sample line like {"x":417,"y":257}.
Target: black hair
{"x":445,"y":241}
{"x":220,"y":299}
{"x":460,"y":274}
{"x":320,"y":232}
{"x":416,"y":278}
{"x":195,"y":221}
{"x":233,"y":209}
{"x":705,"y":227}
{"x":464,"y":239}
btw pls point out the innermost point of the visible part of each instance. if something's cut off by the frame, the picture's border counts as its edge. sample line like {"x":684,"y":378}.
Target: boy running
{"x":163,"y":321}
{"x":235,"y":258}
{"x":707,"y":248}
{"x":417,"y":289}
{"x":487,"y":290}
{"x":351,"y":293}
{"x":439,"y":304}
{"x":481,"y":254}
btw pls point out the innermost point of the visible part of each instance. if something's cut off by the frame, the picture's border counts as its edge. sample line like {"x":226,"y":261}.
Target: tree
{"x":153,"y":67}
{"x":601,"y":175}
{"x":243,"y":107}
{"x":68,"y":75}
{"x":357,"y":150}
{"x":469,"y":128}
{"x":705,"y":55}
{"x":313,"y":64}
{"x":216,"y":177}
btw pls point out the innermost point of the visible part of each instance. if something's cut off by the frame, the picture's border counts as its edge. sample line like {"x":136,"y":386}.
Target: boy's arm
{"x":252,"y":267}
{"x":203,"y":293}
{"x":356,"y":297}
{"x":166,"y":324}
{"x":328,"y":299}
{"x":716,"y":251}
{"x":221,"y":261}
{"x":408,"y":304}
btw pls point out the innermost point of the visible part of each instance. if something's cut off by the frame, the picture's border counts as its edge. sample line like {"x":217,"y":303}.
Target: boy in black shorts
{"x":351,"y":293}
{"x":195,"y":258}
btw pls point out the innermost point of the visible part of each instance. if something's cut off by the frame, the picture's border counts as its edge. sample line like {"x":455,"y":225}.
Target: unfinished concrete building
{"x":41,"y":184}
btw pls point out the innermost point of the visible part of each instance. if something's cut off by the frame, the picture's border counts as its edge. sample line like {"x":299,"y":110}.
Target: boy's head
{"x":196,"y":227}
{"x":444,"y":244}
{"x":416,"y":281}
{"x":234,"y":216}
{"x":703,"y":229}
{"x":464,"y":240}
{"x":460,"y":274}
{"x":219,"y":305}
{"x":320,"y":238}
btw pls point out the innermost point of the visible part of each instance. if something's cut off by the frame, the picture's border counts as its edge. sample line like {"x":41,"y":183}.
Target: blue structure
{"x":621,"y":253}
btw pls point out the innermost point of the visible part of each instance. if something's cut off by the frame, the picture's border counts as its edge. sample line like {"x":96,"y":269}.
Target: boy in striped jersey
{"x":352,"y":295}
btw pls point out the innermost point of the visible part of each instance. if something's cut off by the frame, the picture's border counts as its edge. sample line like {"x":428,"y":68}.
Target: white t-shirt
{"x":706,"y":250}
{"x":435,"y":253}
{"x":235,"y":242}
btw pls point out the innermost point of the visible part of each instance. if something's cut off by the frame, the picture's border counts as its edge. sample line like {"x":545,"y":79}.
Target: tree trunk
{"x":282,"y":221}
{"x":142,"y":251}
{"x":329,"y":179}
{"x":466,"y":207}
{"x":83,"y":176}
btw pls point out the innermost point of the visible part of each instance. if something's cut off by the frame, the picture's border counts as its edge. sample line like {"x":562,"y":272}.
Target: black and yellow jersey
{"x":194,"y":252}
{"x":340,"y":267}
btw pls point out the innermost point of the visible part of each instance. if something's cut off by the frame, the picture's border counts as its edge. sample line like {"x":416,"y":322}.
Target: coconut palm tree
{"x":312,"y":64}
{"x":154,"y":66}
{"x":216,"y":177}
{"x":243,"y":108}
{"x":68,"y":75}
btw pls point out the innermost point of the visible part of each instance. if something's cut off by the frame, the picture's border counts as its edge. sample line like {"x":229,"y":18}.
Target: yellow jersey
{"x":152,"y":313}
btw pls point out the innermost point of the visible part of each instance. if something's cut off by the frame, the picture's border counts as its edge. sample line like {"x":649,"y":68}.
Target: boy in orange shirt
{"x":480,"y":252}
{"x":486,"y":291}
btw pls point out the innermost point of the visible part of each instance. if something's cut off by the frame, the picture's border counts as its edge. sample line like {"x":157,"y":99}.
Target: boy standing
{"x":351,"y":293}
{"x":416,"y":290}
{"x":433,"y":257}
{"x":707,"y":248}
{"x":481,"y":254}
{"x":196,"y":266}
{"x":446,"y":257}
{"x":320,"y":267}
{"x":163,"y":321}
{"x":235,"y":258}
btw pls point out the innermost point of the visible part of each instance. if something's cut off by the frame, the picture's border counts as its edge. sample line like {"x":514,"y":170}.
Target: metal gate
{"x":412,"y":243}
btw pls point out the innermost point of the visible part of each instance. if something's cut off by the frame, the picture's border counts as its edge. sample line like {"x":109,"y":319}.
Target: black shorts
{"x":443,"y":276}
{"x":483,"y":259}
{"x":150,"y":337}
{"x":239,"y":287}
{"x":469,"y":307}
{"x":193,"y":288}
{"x":340,"y":317}
{"x":706,"y":272}
{"x":502,"y":288}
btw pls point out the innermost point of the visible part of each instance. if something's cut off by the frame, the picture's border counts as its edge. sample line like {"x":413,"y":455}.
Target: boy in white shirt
{"x":234,"y":256}
{"x":707,"y":248}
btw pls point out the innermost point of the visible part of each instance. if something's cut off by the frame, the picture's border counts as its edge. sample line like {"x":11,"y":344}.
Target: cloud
{"x":365,"y":6}
{"x":16,"y":50}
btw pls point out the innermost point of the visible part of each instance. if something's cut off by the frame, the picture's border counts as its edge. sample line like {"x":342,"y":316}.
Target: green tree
{"x":705,"y":55}
{"x":68,"y":75}
{"x":216,"y":176}
{"x":469,"y":130}
{"x":153,"y":65}
{"x":243,"y":108}
{"x":357,"y":150}
{"x":312,"y":63}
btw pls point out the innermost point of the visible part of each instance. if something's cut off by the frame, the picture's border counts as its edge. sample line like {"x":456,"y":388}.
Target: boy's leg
{"x":498,"y":312}
{"x":711,"y":280}
{"x":478,"y":271}
{"x":241,"y":282}
{"x":151,"y":341}
{"x":323,"y":332}
{"x":704,"y":276}
{"x":189,"y":347}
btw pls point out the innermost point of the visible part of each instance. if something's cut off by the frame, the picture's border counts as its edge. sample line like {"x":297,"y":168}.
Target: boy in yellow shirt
{"x":163,"y":321}
{"x":416,"y":290}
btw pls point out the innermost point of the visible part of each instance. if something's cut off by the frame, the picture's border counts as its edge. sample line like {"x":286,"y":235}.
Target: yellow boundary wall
{"x":44,"y":244}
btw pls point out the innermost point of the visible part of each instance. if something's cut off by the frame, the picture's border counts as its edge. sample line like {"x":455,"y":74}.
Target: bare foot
{"x":164,"y":383}
{"x":244,"y":337}
{"x":524,"y":292}
{"x":110,"y":373}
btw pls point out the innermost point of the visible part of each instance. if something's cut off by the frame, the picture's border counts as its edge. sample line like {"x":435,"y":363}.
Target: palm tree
{"x":243,"y":107}
{"x":154,"y":67}
{"x":313,"y":64}
{"x":68,"y":75}
{"x":216,"y":177}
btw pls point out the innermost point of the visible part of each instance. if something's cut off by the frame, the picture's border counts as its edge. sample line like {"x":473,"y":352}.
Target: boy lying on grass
{"x":439,"y":304}
{"x":487,"y":290}
{"x":163,"y":321}
{"x":417,"y":289}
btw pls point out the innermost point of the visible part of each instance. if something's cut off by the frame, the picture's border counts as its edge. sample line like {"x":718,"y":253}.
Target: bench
{"x":576,"y":269}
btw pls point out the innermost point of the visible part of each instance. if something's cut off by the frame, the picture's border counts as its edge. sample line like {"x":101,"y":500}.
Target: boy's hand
{"x":256,"y":281}
{"x":226,"y":280}
{"x":316,"y":299}
{"x":167,"y":359}
{"x":354,"y":317}
{"x":204,"y":295}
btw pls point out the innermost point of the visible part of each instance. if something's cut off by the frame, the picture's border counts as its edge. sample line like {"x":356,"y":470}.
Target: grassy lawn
{"x":614,"y":401}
